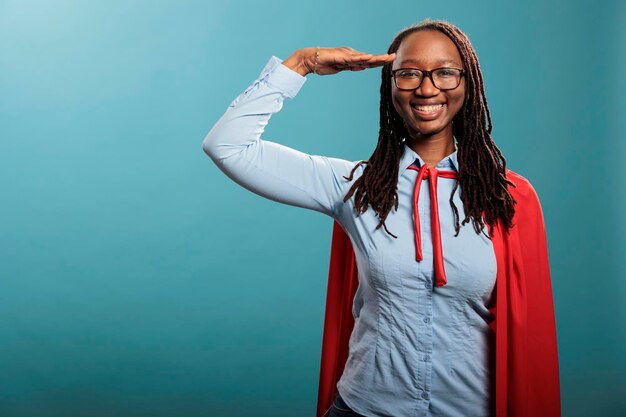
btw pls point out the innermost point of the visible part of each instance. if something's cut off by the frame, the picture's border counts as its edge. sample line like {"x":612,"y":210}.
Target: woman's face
{"x":427,"y":50}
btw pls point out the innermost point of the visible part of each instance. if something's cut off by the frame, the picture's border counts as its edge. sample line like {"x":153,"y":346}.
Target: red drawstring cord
{"x":431,"y":174}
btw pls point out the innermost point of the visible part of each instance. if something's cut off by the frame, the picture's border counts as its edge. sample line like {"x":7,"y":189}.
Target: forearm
{"x":268,"y":168}
{"x":246,"y":117}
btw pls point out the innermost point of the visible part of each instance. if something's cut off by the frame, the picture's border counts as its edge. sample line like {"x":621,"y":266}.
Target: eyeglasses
{"x":442,"y":78}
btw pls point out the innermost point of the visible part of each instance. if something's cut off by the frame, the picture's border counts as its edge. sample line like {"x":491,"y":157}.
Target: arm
{"x":267,"y":168}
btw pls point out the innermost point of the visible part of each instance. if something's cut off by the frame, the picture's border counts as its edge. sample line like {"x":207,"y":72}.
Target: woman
{"x":421,"y":339}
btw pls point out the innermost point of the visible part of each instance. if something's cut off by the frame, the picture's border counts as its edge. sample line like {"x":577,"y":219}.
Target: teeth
{"x":429,"y":109}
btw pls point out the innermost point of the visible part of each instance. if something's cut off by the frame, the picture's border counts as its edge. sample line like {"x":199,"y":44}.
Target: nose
{"x":427,"y":88}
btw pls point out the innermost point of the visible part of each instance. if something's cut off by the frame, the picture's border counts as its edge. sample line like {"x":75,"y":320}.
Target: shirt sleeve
{"x":270,"y":169}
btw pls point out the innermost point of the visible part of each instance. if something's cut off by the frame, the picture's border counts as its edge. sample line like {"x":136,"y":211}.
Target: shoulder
{"x":522,"y":187}
{"x":524,"y":194}
{"x":345,"y":168}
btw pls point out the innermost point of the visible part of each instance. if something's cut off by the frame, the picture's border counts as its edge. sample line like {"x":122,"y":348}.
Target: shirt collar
{"x":409,"y":157}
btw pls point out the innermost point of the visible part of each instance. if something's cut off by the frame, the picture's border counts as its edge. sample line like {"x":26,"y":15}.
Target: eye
{"x":409,"y":74}
{"x":447,"y":72}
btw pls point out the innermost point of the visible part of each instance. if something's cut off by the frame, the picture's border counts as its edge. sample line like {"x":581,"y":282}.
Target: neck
{"x":432,"y":149}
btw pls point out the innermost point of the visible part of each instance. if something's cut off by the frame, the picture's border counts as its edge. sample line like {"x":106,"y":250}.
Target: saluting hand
{"x":333,"y":60}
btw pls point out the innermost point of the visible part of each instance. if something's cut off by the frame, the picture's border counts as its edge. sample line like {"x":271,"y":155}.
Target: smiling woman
{"x":415,"y":324}
{"x":428,"y":113}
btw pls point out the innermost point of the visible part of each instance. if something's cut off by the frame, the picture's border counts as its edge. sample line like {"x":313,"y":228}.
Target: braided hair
{"x":482,"y":167}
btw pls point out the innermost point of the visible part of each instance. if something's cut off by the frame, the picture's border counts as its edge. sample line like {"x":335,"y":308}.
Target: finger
{"x":385,"y":57}
{"x":368,"y":59}
{"x":360,"y":61}
{"x":381,"y":59}
{"x":358,"y":57}
{"x":361,"y":56}
{"x":368,"y":55}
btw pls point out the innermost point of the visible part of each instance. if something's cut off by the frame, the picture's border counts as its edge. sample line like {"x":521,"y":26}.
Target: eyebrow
{"x":440,"y":62}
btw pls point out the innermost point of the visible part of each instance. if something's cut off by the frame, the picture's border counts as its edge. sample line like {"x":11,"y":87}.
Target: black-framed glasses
{"x":443,"y":78}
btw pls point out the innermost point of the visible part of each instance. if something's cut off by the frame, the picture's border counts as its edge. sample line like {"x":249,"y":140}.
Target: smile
{"x":429,"y":112}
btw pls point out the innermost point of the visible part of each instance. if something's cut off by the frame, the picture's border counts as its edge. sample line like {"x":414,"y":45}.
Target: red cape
{"x":527,"y":369}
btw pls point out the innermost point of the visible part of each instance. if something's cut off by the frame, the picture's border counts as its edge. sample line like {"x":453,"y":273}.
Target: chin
{"x":430,"y":129}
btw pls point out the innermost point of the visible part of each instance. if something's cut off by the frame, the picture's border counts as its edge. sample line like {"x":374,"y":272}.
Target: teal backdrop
{"x":138,"y":280}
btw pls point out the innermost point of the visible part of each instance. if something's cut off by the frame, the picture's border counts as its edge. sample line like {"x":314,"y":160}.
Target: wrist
{"x":298,"y":62}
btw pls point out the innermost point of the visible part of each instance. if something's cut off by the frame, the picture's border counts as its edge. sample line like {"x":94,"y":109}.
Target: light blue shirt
{"x":415,"y":350}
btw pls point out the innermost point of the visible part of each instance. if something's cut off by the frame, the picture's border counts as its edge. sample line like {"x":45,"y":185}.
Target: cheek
{"x":459,"y":100}
{"x":397,"y":103}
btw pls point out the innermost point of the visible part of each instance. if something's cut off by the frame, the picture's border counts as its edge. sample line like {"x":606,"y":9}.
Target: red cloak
{"x":527,"y":369}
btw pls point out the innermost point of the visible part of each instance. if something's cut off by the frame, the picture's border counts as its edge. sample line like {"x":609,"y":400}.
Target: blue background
{"x":137,"y":280}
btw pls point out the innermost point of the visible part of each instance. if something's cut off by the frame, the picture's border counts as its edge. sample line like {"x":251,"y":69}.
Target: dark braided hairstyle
{"x":482,"y":167}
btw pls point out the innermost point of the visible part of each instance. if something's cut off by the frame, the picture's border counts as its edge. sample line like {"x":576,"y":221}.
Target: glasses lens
{"x":446,"y":78}
{"x":408,"y":79}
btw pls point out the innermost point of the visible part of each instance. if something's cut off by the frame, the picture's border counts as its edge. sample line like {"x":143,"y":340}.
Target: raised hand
{"x":333,"y":60}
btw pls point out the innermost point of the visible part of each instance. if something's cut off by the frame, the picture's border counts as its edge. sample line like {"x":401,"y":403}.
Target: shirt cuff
{"x":282,"y":77}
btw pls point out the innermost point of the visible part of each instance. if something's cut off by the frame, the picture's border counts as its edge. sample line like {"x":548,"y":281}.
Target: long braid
{"x":482,"y":167}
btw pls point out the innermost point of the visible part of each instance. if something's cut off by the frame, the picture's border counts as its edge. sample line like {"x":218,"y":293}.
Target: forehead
{"x":427,"y":48}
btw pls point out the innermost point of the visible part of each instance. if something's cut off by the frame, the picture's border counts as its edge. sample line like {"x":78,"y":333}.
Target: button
{"x":427,"y":358}
{"x":427,"y":285}
{"x":426,"y":319}
{"x":424,"y":395}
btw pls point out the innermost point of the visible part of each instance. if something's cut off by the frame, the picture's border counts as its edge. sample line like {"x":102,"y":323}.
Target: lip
{"x":427,"y":103}
{"x":429,"y":116}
